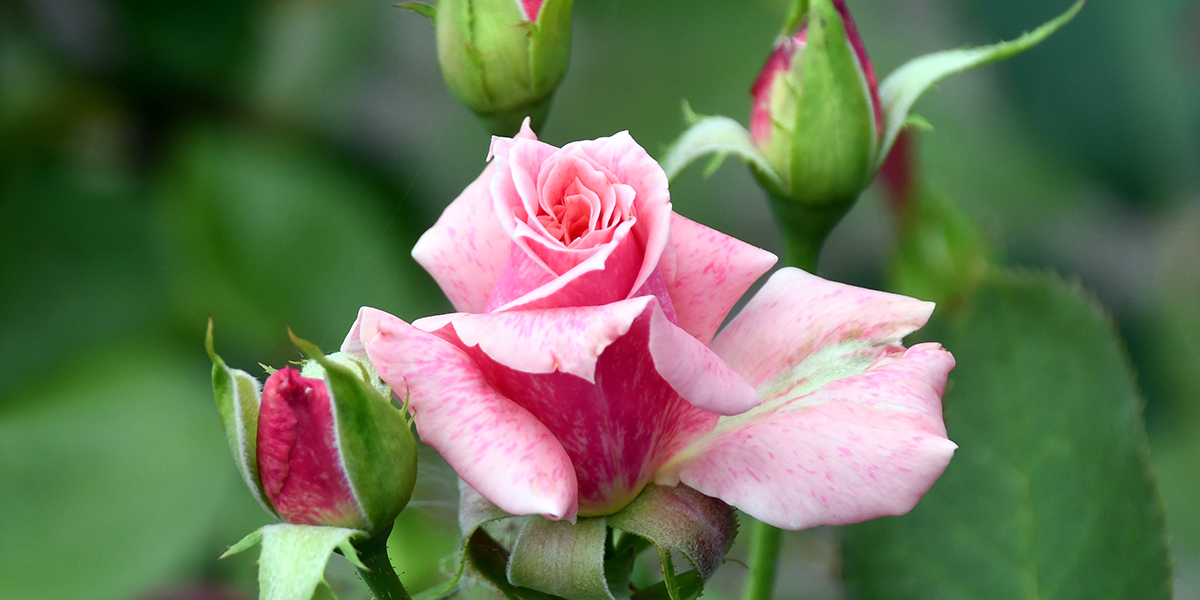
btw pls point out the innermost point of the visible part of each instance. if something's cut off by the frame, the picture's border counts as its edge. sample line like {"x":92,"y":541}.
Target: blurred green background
{"x":270,"y":163}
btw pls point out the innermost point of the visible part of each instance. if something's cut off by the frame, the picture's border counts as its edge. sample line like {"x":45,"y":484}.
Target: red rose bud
{"x":298,"y":456}
{"x":817,"y":118}
{"x":319,"y":446}
{"x":503,"y":58}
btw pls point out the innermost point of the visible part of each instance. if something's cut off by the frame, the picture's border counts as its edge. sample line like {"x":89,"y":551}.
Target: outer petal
{"x":466,"y":248}
{"x":796,"y":314}
{"x":620,"y":385}
{"x":572,"y":340}
{"x":495,"y":445}
{"x":861,"y":447}
{"x":710,"y":271}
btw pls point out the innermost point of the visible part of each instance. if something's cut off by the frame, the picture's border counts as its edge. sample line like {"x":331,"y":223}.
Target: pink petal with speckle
{"x":643,"y":387}
{"x":465,"y":250}
{"x":495,"y":445}
{"x":707,"y":272}
{"x":857,"y":448}
{"x":796,"y":314}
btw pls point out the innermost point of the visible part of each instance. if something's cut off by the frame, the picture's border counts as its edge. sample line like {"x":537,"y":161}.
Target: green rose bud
{"x":817,"y":117}
{"x":503,"y":58}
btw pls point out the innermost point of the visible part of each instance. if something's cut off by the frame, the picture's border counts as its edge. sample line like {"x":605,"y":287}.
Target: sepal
{"x":238,"y":396}
{"x":905,"y":85}
{"x":293,"y":557}
{"x":719,"y":136}
{"x":593,"y":558}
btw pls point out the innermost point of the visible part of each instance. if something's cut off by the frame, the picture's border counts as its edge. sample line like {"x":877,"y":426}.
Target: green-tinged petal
{"x":374,"y":439}
{"x":294,"y":557}
{"x":684,"y":520}
{"x":561,"y":558}
{"x":238,"y":396}
{"x":720,"y":136}
{"x":905,"y":85}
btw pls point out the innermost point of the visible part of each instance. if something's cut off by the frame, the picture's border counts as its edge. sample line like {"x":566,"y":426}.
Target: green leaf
{"x":294,"y":557}
{"x":115,"y":473}
{"x":1049,"y":495}
{"x":238,"y":396}
{"x":905,"y":85}
{"x":715,"y":135}
{"x":561,"y":558}
{"x":680,"y":518}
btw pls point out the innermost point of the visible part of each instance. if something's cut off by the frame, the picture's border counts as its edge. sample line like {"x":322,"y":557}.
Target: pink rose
{"x":580,"y":369}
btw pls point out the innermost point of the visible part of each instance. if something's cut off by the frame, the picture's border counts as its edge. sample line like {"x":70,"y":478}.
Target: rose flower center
{"x":583,"y":215}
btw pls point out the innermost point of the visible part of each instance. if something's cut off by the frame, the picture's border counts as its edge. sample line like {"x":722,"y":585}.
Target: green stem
{"x":764,"y":554}
{"x":381,"y":577}
{"x":805,"y":228}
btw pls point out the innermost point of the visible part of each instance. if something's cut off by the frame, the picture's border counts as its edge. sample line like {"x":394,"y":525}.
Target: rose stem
{"x":381,"y":577}
{"x":804,"y":229}
{"x":764,"y":553}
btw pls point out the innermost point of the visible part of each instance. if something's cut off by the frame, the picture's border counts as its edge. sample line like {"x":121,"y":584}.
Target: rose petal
{"x":710,"y":273}
{"x":629,"y":164}
{"x":605,"y":276}
{"x":796,"y":314}
{"x":298,"y":457}
{"x":858,"y":448}
{"x":466,"y":248}
{"x":495,"y":445}
{"x":621,"y":369}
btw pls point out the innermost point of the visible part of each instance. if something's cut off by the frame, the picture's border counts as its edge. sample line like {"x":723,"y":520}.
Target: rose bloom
{"x":583,"y":363}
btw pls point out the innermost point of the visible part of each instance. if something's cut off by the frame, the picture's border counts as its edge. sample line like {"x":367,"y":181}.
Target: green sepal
{"x":425,"y":10}
{"x":679,"y":518}
{"x":833,"y":137}
{"x":474,"y":511}
{"x":490,"y":559}
{"x":293,"y":557}
{"x":721,"y":136}
{"x":905,"y":85}
{"x":374,"y":438}
{"x":550,"y":45}
{"x":561,"y":558}
{"x":238,"y":396}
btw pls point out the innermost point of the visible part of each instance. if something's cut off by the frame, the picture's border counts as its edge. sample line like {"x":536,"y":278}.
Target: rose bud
{"x":817,"y":117}
{"x":322,"y":445}
{"x":503,"y":58}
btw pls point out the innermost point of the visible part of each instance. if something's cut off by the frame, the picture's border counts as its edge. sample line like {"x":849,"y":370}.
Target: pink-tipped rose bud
{"x":320,"y":446}
{"x":503,"y":58}
{"x":817,"y":117}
